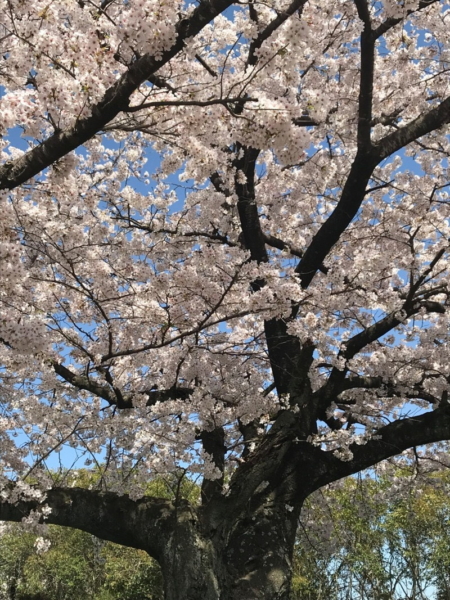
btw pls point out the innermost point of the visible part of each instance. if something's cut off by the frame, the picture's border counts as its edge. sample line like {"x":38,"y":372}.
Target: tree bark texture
{"x":249,"y":557}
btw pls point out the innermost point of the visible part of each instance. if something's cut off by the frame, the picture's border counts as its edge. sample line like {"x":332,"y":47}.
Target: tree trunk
{"x":259,"y":555}
{"x":248,"y":557}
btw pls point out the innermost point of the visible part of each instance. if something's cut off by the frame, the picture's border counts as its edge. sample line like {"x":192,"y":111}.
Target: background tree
{"x":68,"y":564}
{"x":279,"y":326}
{"x":363,"y":539}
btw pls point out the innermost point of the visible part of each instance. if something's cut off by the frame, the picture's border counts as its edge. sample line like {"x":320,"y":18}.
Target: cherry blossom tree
{"x":267,"y":309}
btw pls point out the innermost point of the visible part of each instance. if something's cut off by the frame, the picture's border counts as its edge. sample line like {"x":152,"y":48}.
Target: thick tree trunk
{"x":248,"y":557}
{"x":259,"y":555}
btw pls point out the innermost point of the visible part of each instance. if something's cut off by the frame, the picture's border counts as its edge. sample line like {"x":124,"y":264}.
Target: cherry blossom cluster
{"x":395,"y":9}
{"x":27,"y":336}
{"x":67,"y":54}
{"x":126,"y":280}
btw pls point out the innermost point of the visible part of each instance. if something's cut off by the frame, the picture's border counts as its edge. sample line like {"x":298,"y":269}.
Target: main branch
{"x":393,"y":439}
{"x":115,"y":100}
{"x":140,"y":523}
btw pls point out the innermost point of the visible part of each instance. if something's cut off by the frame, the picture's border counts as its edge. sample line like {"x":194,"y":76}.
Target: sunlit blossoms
{"x":202,"y":178}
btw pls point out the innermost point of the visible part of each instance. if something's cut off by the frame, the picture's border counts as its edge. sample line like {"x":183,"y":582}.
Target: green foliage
{"x":362,"y":540}
{"x":130,"y":575}
{"x":67,"y":570}
{"x":75,"y":567}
